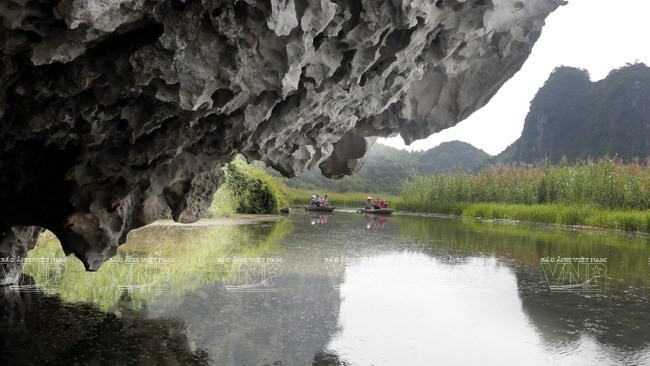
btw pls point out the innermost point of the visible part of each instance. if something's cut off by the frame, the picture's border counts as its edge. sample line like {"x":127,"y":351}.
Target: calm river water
{"x":338,"y":289}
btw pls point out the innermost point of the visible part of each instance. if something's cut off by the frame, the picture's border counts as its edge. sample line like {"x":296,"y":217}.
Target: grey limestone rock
{"x":116,"y":113}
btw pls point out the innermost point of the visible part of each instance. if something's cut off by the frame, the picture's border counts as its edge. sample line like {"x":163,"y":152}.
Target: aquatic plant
{"x":604,"y":193}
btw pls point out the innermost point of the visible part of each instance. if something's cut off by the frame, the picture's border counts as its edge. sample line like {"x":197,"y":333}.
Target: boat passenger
{"x":312,"y":201}
{"x":317,"y":202}
{"x":370,"y":204}
{"x":325,"y":201}
{"x":378,"y":203}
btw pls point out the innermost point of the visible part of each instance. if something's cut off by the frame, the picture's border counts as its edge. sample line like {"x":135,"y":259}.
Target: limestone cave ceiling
{"x":116,"y":113}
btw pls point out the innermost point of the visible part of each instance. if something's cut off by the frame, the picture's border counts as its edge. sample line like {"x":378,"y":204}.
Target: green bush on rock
{"x":249,"y":189}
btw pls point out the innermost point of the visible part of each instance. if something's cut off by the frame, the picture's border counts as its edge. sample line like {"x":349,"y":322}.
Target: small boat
{"x":383,"y":211}
{"x":320,"y":208}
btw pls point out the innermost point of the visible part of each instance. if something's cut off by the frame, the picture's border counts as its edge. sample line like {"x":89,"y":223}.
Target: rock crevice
{"x":114,"y":114}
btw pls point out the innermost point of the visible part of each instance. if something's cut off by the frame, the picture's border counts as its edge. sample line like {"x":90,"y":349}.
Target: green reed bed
{"x":566,"y":215}
{"x":602,"y":193}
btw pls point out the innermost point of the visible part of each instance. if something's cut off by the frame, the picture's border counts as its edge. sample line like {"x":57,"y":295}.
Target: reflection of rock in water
{"x":291,"y":326}
{"x":616,"y":318}
{"x":36,"y":329}
{"x":14,"y":244}
{"x":328,"y":359}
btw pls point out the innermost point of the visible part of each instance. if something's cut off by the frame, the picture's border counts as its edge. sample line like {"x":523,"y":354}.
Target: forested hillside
{"x":387,"y":167}
{"x":574,"y":117}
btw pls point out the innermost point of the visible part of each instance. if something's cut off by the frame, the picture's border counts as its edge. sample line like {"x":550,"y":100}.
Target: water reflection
{"x":228,"y":292}
{"x":318,"y":219}
{"x":616,"y":319}
{"x":375,"y":221}
{"x":354,"y":290}
{"x":37,"y":329}
{"x":287,"y":326}
{"x":609,"y":314}
{"x":626,"y":256}
{"x":158,"y":259}
{"x":432,"y":310}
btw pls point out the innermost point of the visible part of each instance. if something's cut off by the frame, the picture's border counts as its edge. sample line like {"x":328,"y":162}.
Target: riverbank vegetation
{"x":248,"y":188}
{"x":604,"y":193}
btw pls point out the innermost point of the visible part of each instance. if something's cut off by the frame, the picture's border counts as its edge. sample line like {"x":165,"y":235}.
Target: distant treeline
{"x":387,"y":167}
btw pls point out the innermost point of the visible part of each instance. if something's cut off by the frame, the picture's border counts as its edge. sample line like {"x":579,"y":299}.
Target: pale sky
{"x":597,"y":35}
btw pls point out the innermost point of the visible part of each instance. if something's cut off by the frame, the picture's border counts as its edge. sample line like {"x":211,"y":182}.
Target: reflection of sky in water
{"x":414,"y":309}
{"x":369,"y":290}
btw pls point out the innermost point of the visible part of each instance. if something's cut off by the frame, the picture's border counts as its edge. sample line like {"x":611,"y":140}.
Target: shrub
{"x":249,"y":189}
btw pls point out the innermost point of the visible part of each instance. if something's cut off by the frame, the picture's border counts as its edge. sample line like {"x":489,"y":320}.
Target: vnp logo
{"x":574,"y":274}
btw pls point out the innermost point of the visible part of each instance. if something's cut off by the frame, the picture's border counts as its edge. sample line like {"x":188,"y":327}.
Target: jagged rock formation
{"x":114,"y":114}
{"x":573,"y":117}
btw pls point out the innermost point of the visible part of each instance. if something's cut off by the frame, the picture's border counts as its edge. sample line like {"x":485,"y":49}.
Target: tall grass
{"x":560,"y":214}
{"x":604,"y":183}
{"x":605,"y":193}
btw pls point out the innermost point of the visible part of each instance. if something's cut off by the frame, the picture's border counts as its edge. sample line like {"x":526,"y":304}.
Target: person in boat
{"x":318,"y":201}
{"x":314,"y":201}
{"x":325,"y":201}
{"x":370,"y":204}
{"x":383,"y":204}
{"x":380,"y":204}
